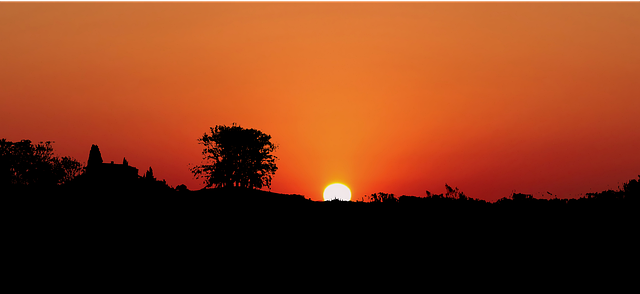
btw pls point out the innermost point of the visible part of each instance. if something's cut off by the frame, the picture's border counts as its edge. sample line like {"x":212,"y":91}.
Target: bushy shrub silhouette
{"x":381,"y":197}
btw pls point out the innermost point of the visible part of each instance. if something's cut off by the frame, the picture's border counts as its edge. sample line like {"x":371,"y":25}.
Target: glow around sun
{"x":337,"y":191}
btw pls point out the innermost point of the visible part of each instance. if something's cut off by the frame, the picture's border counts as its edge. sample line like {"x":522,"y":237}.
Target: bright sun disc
{"x":337,"y":191}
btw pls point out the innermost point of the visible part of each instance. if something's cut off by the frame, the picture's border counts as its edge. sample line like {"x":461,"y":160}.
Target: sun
{"x":337,"y":191}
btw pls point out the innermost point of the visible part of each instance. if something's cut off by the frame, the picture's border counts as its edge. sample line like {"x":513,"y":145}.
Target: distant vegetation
{"x":241,"y":164}
{"x":629,"y":194}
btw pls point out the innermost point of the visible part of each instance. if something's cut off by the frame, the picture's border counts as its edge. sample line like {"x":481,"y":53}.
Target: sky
{"x":492,"y":98}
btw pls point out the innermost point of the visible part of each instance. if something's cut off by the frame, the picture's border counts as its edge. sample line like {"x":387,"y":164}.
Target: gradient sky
{"x":383,"y":97}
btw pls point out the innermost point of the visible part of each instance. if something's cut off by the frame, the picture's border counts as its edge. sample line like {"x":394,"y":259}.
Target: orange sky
{"x":383,"y":97}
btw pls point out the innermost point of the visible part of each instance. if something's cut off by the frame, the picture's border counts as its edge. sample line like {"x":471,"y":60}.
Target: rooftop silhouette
{"x":97,"y":170}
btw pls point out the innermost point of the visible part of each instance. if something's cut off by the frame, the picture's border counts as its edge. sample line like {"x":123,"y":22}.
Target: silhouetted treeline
{"x":628,"y":194}
{"x":25,"y":168}
{"x":452,"y":196}
{"x":25,"y":164}
{"x":32,"y":169}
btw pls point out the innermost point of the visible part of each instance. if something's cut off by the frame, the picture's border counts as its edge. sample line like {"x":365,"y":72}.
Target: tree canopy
{"x":25,"y":164}
{"x":236,"y":157}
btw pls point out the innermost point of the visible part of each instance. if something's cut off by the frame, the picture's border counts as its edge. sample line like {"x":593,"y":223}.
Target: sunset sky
{"x":383,"y":97}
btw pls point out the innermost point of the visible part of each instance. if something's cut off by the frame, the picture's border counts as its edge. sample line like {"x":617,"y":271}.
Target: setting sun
{"x":337,"y":191}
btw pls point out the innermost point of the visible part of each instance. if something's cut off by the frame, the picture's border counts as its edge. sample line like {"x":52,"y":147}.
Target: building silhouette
{"x":97,"y":170}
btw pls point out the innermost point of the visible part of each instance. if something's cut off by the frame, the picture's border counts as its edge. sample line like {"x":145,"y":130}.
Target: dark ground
{"x":226,"y":235}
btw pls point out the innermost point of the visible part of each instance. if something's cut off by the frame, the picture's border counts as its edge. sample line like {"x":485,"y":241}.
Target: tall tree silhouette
{"x":237,"y":157}
{"x":25,"y":164}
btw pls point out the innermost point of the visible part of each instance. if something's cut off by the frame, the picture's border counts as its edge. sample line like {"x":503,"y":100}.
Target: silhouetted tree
{"x":25,"y":164}
{"x":454,"y":193}
{"x":149,"y":174}
{"x":237,"y":157}
{"x":382,"y":198}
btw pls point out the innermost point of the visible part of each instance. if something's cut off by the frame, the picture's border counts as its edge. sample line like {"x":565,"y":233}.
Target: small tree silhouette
{"x":454,"y":193}
{"x":149,"y":174}
{"x":382,"y":198}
